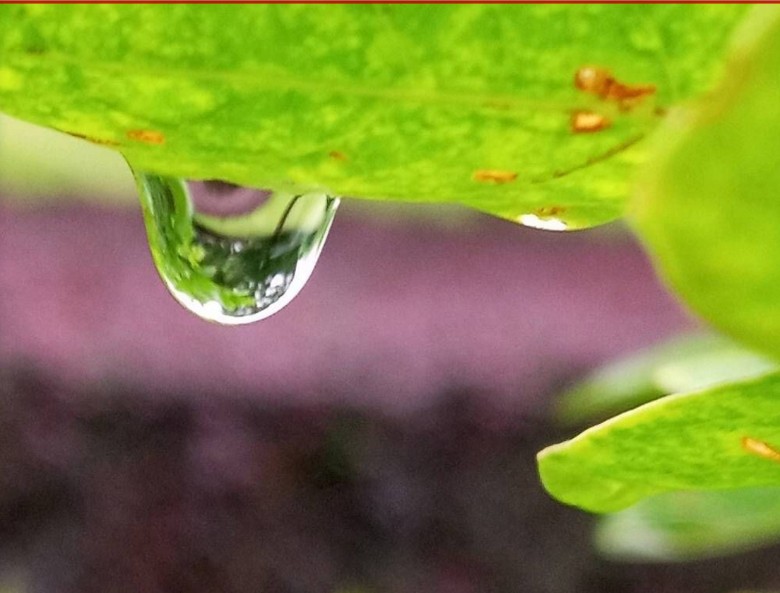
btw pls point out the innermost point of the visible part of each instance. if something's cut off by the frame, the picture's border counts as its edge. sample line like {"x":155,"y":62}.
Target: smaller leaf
{"x":684,"y":363}
{"x":691,"y":525}
{"x":718,"y":438}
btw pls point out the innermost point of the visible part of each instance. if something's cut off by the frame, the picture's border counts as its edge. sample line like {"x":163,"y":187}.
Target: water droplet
{"x":547,"y":223}
{"x":231,"y":254}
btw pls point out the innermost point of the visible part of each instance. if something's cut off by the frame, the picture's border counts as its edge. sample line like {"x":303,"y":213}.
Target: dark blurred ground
{"x":378,"y":435}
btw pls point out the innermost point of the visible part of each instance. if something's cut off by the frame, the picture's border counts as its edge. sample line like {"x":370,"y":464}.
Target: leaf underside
{"x":422,"y":102}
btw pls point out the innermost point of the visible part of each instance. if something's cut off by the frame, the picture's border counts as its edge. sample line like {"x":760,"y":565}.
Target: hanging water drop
{"x":230,"y":254}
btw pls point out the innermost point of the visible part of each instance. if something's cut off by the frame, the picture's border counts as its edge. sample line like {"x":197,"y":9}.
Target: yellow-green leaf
{"x":452,"y":103}
{"x":718,"y":438}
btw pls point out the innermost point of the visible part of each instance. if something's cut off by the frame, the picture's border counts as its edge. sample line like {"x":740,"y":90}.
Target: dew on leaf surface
{"x":231,"y":254}
{"x":547,"y":223}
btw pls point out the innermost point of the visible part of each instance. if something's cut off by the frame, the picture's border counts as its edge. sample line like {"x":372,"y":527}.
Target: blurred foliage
{"x":687,"y":363}
{"x":690,"y":525}
{"x":709,"y":209}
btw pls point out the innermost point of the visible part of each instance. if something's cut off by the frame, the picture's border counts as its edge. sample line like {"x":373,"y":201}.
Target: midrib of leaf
{"x":275,"y":79}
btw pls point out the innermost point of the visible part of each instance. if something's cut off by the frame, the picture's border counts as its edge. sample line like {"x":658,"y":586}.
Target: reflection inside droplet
{"x":232,"y":254}
{"x":223,"y":199}
{"x":547,"y":223}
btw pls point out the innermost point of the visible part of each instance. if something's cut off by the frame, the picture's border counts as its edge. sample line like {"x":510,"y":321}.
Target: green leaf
{"x":685,"y":363}
{"x":379,"y":101}
{"x":692,"y":441}
{"x":710,"y":208}
{"x":685,"y":526}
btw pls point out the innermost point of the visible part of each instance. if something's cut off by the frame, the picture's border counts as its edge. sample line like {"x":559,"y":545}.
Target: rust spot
{"x":585,"y":122}
{"x":494,"y":176}
{"x":337,"y":155}
{"x":600,"y":82}
{"x":146,"y":136}
{"x":760,"y":448}
{"x":549,"y":210}
{"x":627,"y":95}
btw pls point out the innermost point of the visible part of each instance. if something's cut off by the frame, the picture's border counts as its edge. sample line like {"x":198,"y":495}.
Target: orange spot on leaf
{"x":600,"y":82}
{"x":585,"y":122}
{"x":494,"y":176}
{"x":337,"y":155}
{"x":760,"y":448}
{"x":146,"y":136}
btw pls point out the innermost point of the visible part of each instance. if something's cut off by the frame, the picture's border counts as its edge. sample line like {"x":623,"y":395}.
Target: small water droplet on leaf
{"x":547,"y":223}
{"x":232,"y":254}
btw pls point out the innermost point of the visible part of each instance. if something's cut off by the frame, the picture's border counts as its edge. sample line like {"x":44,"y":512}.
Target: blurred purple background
{"x":392,"y":316}
{"x":377,"y":435}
